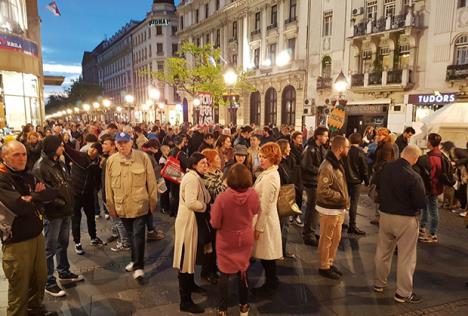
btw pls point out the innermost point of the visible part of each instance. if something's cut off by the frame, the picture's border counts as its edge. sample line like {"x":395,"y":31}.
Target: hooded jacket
{"x":232,"y":216}
{"x":332,"y":190}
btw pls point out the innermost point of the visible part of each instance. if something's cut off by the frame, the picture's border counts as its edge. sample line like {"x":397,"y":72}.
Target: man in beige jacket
{"x":131,"y":192}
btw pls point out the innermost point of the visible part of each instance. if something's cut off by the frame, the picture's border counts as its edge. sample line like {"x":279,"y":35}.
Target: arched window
{"x":326,"y":67}
{"x":288,"y":106}
{"x":255,"y":108}
{"x":461,"y":50}
{"x":270,"y":106}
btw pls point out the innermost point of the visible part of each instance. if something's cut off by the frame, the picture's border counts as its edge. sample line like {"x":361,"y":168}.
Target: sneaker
{"x":328,"y":273}
{"x":55,"y":291}
{"x":79,"y":249}
{"x":120,"y":247}
{"x":298,"y":222}
{"x":462,"y":214}
{"x":138,"y":274}
{"x":111,"y":238}
{"x":378,"y":289}
{"x":422,"y":234}
{"x":155,"y":235}
{"x":335,"y":269}
{"x":129,"y":267}
{"x":97,"y":242}
{"x":413,"y":298}
{"x":432,"y":239}
{"x":70,"y":277}
{"x":107,"y":216}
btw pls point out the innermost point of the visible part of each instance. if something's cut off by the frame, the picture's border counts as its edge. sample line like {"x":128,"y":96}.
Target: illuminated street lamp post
{"x":230,"y":79}
{"x":196,"y":110}
{"x":106,"y":103}
{"x":129,"y":99}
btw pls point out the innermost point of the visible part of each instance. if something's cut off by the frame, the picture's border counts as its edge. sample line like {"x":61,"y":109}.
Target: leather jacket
{"x":357,"y":170}
{"x":312,"y":158}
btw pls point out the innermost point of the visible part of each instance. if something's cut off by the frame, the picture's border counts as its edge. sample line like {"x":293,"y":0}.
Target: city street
{"x":440,"y":277}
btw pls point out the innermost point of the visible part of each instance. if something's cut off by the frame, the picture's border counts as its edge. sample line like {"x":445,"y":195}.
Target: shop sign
{"x":336,"y":118}
{"x":18,"y":44}
{"x":366,"y":109}
{"x":440,"y":98}
{"x":162,"y":22}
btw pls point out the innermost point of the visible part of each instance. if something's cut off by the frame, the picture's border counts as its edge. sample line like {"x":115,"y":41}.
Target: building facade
{"x":21,"y":76}
{"x":90,"y":65}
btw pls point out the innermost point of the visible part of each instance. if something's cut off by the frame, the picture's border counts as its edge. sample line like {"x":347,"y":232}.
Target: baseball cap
{"x":123,"y":137}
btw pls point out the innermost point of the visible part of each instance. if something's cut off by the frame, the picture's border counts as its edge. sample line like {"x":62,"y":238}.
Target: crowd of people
{"x":222,"y":185}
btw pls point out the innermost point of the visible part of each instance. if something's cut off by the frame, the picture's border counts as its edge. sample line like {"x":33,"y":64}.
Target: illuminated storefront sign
{"x":163,"y":22}
{"x":18,"y":44}
{"x":440,"y":98}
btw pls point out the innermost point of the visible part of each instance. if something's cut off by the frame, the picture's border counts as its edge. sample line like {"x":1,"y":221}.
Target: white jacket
{"x":268,"y":246}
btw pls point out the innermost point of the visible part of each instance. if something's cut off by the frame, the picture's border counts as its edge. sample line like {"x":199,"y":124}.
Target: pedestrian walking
{"x":401,"y":200}
{"x":232,"y":217}
{"x":131,"y":192}
{"x":332,"y":203}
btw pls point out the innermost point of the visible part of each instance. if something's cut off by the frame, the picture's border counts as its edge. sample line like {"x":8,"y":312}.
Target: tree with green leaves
{"x":200,"y":69}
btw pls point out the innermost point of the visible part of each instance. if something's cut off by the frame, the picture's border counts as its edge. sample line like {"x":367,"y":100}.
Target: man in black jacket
{"x":312,"y":158}
{"x":51,"y":171}
{"x":357,"y":172}
{"x":24,"y":261}
{"x":402,"y":197}
{"x":403,"y":140}
{"x":85,"y":180}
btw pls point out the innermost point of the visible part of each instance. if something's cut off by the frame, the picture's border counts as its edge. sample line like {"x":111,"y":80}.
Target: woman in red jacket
{"x":232,"y":215}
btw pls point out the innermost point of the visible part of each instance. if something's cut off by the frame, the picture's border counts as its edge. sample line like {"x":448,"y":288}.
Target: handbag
{"x":172,"y":171}
{"x":287,"y":201}
{"x":7,"y":218}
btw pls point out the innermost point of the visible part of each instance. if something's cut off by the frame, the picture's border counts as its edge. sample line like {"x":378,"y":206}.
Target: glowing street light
{"x":86,"y":107}
{"x":106,"y":103}
{"x":154,"y":93}
{"x":119,"y":109}
{"x":283,"y":58}
{"x":129,"y":98}
{"x":77,"y":110}
{"x":69,"y":111}
{"x":341,"y":84}
{"x":96,"y":105}
{"x":196,"y":102}
{"x":230,"y":77}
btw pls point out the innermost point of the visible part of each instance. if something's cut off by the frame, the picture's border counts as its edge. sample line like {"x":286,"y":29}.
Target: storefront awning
{"x":365,"y":102}
{"x":53,"y":80}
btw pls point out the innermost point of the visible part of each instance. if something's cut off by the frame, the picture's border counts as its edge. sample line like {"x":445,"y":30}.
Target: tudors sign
{"x":163,"y":22}
{"x":441,"y":98}
{"x":18,"y":44}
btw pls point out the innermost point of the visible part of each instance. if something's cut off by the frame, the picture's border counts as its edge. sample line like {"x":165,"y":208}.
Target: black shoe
{"x":97,"y":242}
{"x":198,"y":289}
{"x":413,"y":298}
{"x":311,"y":242}
{"x":335,"y":269}
{"x":191,"y":307}
{"x":55,"y":291}
{"x":356,"y":231}
{"x":328,"y":273}
{"x":70,"y":277}
{"x":79,"y":249}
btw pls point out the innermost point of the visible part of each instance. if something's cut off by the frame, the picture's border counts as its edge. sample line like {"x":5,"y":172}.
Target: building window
{"x":207,"y":11}
{"x":174,"y":30}
{"x":255,"y":108}
{"x":288,"y":106}
{"x":257,"y":21}
{"x":159,"y":49}
{"x":292,"y":48}
{"x":371,"y":9}
{"x":175,"y":48}
{"x":207,"y":38}
{"x":217,"y":5}
{"x":149,"y":33}
{"x":327,"y":23}
{"x":462,"y":3}
{"x":461,"y":50}
{"x":149,"y":48}
{"x":197,"y":15}
{"x":218,"y":38}
{"x":256,"y":57}
{"x":234,"y":60}
{"x":292,"y":10}
{"x":160,"y":66}
{"x":182,"y":22}
{"x":234,"y":30}
{"x":270,"y":106}
{"x":158,"y":30}
{"x":274,"y":15}
{"x":326,"y":67}
{"x":272,"y":51}
{"x":389,"y":8}
{"x":197,"y":41}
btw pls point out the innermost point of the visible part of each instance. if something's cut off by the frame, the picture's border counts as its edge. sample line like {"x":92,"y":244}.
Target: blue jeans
{"x":431,"y":211}
{"x":118,"y":229}
{"x":136,"y":230}
{"x":57,"y":234}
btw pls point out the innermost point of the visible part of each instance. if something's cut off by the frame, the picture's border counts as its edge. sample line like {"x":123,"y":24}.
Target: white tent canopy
{"x":451,"y":122}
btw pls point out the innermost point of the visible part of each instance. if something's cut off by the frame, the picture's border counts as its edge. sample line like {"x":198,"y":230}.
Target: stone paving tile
{"x":108,"y":290}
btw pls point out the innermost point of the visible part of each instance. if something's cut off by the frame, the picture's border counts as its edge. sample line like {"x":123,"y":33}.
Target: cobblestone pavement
{"x":440,"y":277}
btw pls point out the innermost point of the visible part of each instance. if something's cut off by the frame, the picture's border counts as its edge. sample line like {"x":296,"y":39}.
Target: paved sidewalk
{"x":440,"y":278}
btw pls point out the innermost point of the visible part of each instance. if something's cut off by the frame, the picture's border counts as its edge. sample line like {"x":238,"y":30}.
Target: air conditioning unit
{"x":397,"y":108}
{"x":358,"y":11}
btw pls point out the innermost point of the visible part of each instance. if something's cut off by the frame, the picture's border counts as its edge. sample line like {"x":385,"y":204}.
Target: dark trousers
{"x":174,"y":199}
{"x":165,"y":197}
{"x":270,"y":272}
{"x":87,"y":203}
{"x":284,"y":222}
{"x":135,"y":228}
{"x":25,"y":268}
{"x":223,"y":287}
{"x":209,"y":267}
{"x":311,"y":218}
{"x":354,"y":193}
{"x":57,"y":235}
{"x":299,"y":197}
{"x":150,"y":221}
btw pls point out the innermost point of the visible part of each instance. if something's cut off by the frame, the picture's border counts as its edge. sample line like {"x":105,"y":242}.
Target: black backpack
{"x":447,"y":177}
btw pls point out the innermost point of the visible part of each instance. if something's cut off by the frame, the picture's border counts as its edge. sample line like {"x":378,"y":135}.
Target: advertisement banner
{"x":18,"y":44}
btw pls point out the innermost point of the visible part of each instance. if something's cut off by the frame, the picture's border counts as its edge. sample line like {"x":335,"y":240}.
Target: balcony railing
{"x":394,"y":76}
{"x":255,"y":32}
{"x":272,"y":26}
{"x":324,"y":83}
{"x":382,"y":24}
{"x":457,"y":72}
{"x":375,"y":78}
{"x":290,"y":20}
{"x":357,"y":80}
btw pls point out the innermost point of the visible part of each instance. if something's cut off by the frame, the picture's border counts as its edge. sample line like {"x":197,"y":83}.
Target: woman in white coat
{"x":194,"y":197}
{"x":267,"y":227}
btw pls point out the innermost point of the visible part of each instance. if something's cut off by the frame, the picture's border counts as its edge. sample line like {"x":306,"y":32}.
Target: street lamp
{"x":129,"y":98}
{"x":154,"y":93}
{"x":196,"y":102}
{"x":86,"y":107}
{"x":96,"y":105}
{"x":161,"y":111}
{"x":230,"y":79}
{"x":106,"y":103}
{"x":77,"y":110}
{"x":341,"y":83}
{"x":283,"y":58}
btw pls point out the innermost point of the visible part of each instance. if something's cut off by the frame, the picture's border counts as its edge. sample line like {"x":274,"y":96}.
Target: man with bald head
{"x":402,"y":196}
{"x":24,"y":261}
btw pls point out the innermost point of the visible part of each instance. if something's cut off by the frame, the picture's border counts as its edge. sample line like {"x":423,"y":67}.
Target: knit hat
{"x":240,"y":150}
{"x":50,"y":145}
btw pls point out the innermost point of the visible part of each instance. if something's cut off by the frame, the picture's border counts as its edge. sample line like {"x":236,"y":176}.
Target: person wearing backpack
{"x":434,"y":169}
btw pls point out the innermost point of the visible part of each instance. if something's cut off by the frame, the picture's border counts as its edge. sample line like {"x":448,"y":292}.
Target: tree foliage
{"x":200,"y":69}
{"x":79,"y":92}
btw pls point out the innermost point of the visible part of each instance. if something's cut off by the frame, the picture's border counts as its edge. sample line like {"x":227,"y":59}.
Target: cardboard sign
{"x":336,"y":118}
